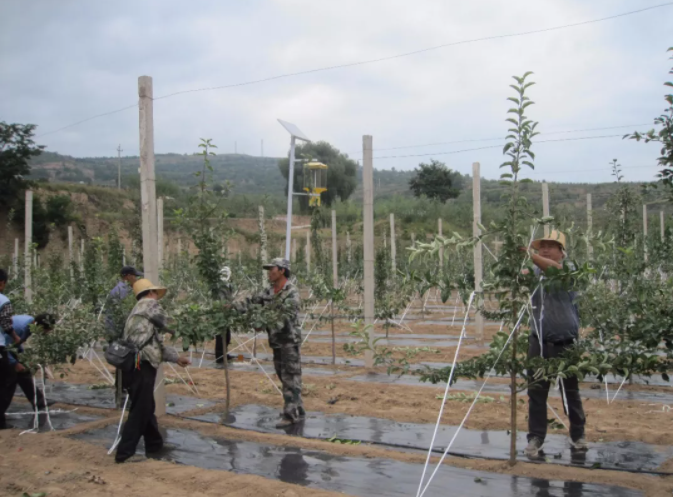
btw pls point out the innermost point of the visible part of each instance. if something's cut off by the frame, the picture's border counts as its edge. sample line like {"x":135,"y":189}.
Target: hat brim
{"x":159,"y":289}
{"x":268,"y":266}
{"x":536,"y":243}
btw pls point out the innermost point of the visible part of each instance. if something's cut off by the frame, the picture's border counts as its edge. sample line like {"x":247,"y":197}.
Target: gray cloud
{"x":66,"y":61}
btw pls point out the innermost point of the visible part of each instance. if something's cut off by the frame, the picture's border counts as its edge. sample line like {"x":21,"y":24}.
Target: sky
{"x":67,"y":61}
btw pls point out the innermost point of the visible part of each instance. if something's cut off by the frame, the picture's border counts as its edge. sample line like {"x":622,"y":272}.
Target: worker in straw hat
{"x":145,"y":327}
{"x":554,"y":328}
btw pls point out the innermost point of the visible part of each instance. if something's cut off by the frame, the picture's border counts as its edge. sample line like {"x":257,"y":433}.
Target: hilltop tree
{"x":436,"y":181}
{"x":16,"y":149}
{"x":341,"y":175}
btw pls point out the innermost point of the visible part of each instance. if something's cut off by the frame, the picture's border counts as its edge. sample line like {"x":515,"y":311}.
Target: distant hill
{"x":249,"y":174}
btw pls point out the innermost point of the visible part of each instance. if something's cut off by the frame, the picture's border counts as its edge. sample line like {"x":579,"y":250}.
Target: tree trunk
{"x":226,"y":376}
{"x":512,"y":441}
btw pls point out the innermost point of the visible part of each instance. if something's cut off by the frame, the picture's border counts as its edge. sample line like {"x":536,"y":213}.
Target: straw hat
{"x":144,"y":285}
{"x":554,"y":236}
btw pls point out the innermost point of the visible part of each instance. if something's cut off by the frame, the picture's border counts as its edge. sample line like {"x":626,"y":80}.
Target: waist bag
{"x":125,"y":355}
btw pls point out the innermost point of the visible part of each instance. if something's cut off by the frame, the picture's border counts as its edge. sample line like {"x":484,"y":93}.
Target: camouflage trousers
{"x":287,"y":361}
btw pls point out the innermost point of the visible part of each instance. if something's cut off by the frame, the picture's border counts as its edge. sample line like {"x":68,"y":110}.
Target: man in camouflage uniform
{"x":285,"y":340}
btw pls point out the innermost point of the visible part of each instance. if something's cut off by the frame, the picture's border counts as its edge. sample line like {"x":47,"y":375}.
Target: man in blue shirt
{"x":20,"y":374}
{"x":6,"y":329}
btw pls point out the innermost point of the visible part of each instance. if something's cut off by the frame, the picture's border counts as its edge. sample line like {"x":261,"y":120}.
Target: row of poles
{"x":152,"y":225}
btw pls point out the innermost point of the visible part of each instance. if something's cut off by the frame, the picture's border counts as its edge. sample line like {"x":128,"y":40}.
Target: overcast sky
{"x":65,"y":61}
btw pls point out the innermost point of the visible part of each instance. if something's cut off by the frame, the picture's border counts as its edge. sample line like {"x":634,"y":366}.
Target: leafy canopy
{"x":436,"y":181}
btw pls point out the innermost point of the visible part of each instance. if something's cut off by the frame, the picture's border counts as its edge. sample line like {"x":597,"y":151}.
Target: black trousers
{"x":141,"y":421}
{"x":538,"y":393}
{"x":25,"y":381}
{"x":219,"y":348}
{"x":6,"y":373}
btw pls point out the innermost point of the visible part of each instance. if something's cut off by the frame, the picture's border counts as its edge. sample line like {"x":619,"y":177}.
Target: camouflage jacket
{"x":148,"y":318}
{"x":288,"y":297}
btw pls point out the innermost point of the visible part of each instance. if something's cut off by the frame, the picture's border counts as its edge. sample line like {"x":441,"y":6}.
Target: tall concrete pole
{"x":476,"y":231}
{"x":28,"y":256}
{"x":545,"y":205}
{"x":393,"y":247}
{"x":441,"y":249}
{"x":368,"y":241}
{"x":348,"y":247}
{"x":148,"y":201}
{"x":662,"y":226}
{"x":81,"y":254}
{"x":590,"y":223}
{"x":119,"y":167}
{"x":335,"y":256}
{"x":160,"y":233}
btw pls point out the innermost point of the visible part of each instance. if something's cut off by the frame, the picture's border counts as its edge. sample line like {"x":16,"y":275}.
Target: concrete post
{"x":308,"y":252}
{"x":393,"y":247}
{"x":148,"y":203}
{"x":645,"y":231}
{"x":81,"y":254}
{"x":368,"y":241}
{"x":262,"y":241}
{"x":545,"y":205}
{"x":413,"y":238}
{"x":15,"y":259}
{"x":70,"y":250}
{"x":476,"y":231}
{"x":441,"y":249}
{"x":590,"y":223}
{"x":662,"y":226}
{"x":28,"y":258}
{"x":335,"y":255}
{"x":160,"y":233}
{"x":348,"y":247}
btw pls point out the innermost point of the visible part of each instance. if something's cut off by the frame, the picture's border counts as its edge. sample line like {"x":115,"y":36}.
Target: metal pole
{"x":148,"y":198}
{"x":476,"y":231}
{"x":368,"y":241}
{"x":28,"y":234}
{"x":545,"y":205}
{"x":290,"y":190}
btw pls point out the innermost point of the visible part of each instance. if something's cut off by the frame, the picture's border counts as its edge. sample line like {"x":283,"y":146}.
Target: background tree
{"x":341,"y":175}
{"x":16,"y":149}
{"x":436,"y":181}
